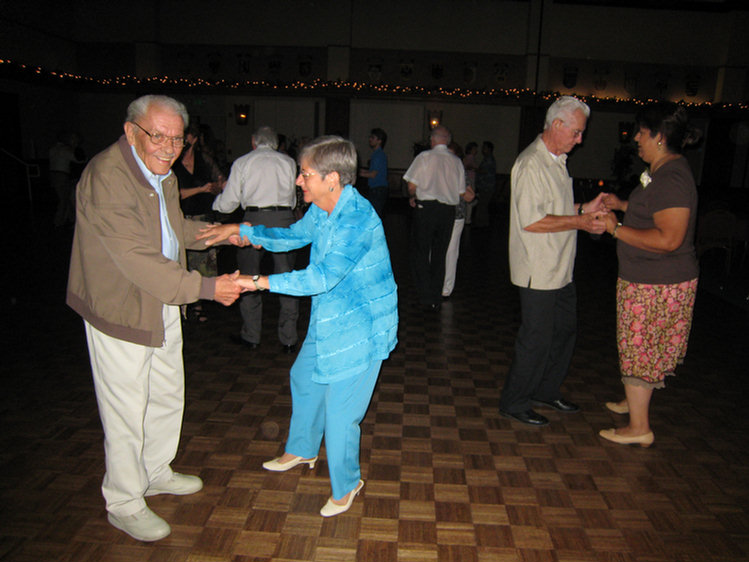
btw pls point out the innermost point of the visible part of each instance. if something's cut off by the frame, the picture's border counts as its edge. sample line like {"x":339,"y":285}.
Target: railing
{"x":31,"y":171}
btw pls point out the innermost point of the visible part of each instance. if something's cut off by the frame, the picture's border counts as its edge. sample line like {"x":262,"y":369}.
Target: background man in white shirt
{"x":262,"y":182}
{"x":436,"y":179}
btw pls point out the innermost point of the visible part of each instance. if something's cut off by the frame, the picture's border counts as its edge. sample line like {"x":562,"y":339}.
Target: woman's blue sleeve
{"x":350,"y":242}
{"x":280,"y":239}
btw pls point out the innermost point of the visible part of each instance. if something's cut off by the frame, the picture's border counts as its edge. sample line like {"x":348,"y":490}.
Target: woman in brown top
{"x":658,"y":267}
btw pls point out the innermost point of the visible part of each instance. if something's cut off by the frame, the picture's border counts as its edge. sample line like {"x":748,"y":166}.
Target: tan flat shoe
{"x":330,"y":509}
{"x":617,"y":408}
{"x":644,"y":440}
{"x":276,"y":466}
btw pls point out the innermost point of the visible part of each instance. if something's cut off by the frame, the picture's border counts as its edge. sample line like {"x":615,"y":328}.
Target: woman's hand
{"x":247,"y":284}
{"x":611,"y":222}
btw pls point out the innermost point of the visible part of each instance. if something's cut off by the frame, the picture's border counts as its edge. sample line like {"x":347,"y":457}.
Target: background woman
{"x":658,"y":268}
{"x":453,"y":249}
{"x":199,"y":181}
{"x":353,"y":319}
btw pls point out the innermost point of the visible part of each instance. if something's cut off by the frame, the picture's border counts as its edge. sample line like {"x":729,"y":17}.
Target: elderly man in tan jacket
{"x":127,"y":279}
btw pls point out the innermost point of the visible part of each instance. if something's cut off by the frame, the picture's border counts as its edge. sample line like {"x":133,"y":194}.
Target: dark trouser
{"x":251,"y":304}
{"x":430,"y":237}
{"x":543,"y":349}
{"x":378,"y":197}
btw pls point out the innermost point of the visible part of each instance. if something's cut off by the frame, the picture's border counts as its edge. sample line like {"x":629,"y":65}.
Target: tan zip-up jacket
{"x":119,"y":280}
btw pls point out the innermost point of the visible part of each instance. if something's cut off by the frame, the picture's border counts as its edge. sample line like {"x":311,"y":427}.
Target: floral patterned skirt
{"x":652,"y":331}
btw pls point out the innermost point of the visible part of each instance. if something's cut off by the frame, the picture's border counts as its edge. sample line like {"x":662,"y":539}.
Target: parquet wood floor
{"x":447,"y":478}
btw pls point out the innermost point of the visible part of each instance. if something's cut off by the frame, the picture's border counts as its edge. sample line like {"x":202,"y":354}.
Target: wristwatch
{"x":257,"y":285}
{"x":580,"y":209}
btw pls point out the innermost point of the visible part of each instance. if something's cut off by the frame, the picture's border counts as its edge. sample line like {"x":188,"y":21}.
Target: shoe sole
{"x":158,"y":492}
{"x":513,"y":418}
{"x":545,"y":405}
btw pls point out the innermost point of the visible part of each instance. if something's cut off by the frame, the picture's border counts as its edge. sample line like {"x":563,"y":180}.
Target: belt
{"x":271,"y":208}
{"x":432,"y":202}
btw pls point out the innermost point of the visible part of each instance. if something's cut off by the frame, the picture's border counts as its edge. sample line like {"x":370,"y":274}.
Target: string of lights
{"x":25,"y":72}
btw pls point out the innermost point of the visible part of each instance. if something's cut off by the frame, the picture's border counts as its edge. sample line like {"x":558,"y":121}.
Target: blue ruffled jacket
{"x":354,"y":316}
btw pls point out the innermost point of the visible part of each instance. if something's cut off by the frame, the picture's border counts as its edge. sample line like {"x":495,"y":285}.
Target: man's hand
{"x":613,"y":203}
{"x":227,"y":288}
{"x":215,"y":233}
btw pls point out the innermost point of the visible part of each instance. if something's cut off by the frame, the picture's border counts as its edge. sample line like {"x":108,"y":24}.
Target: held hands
{"x":227,"y":289}
{"x":611,"y":222}
{"x":593,"y":219}
{"x":595,"y":206}
{"x":594,"y":223}
{"x":612,"y":202}
{"x":215,"y":233}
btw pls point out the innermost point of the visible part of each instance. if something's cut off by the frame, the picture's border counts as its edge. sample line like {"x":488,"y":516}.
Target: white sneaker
{"x":144,"y":525}
{"x":178,"y":484}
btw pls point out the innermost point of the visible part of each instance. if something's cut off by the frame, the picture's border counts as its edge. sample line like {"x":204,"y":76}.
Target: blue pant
{"x":334,"y":410}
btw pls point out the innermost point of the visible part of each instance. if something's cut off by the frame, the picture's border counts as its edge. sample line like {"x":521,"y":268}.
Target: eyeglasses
{"x":575,"y":132}
{"x":306,"y":175}
{"x":159,"y":139}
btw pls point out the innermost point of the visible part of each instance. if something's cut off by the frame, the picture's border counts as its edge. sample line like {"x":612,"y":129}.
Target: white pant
{"x":140,"y":392}
{"x":451,"y":257}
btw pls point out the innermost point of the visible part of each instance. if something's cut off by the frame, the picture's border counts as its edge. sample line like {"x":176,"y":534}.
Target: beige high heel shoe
{"x":276,"y":466}
{"x":330,"y":509}
{"x":644,"y":440}
{"x":617,"y":407}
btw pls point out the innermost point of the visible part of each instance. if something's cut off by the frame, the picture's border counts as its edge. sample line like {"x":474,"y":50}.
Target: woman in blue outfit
{"x":354,"y":316}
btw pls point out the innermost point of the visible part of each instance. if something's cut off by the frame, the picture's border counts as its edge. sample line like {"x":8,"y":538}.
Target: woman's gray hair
{"x":331,"y":154}
{"x":265,"y":136}
{"x":565,"y":107}
{"x":138,"y":108}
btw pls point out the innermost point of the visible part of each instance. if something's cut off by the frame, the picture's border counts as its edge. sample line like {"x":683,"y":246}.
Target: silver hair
{"x":441,"y":132}
{"x":565,"y":107}
{"x":331,"y":153}
{"x":265,"y":136}
{"x":138,"y":108}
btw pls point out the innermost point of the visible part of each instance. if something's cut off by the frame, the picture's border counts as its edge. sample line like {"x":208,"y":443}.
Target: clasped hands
{"x":215,"y":233}
{"x":230,"y":285}
{"x":598,"y":216}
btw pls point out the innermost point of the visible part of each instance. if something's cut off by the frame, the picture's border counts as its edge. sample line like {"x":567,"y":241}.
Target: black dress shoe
{"x":243,"y":342}
{"x":560,"y":405}
{"x":529,"y":417}
{"x":289,"y":348}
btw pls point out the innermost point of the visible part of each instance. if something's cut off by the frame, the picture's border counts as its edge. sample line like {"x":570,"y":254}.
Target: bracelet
{"x":257,"y":286}
{"x":613,"y":232}
{"x":580,"y":209}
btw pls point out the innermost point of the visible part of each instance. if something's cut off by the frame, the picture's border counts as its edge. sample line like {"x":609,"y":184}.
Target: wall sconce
{"x":241,"y":114}
{"x":625,"y":131}
{"x":434,"y":118}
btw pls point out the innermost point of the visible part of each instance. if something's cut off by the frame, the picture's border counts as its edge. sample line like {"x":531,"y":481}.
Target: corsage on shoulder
{"x":645,"y":179}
